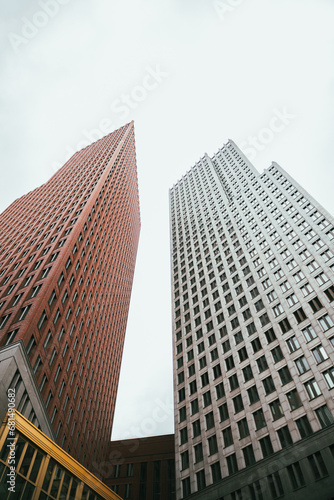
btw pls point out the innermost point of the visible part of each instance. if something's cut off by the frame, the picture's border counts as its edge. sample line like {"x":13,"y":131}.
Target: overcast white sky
{"x":197,"y":73}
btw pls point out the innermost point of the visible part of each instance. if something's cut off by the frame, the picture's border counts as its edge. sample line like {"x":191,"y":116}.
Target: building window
{"x":47,"y":402}
{"x":242,"y":354}
{"x":229,"y":363}
{"x":285,"y":286}
{"x":227,"y":437}
{"x":268,"y":385}
{"x":325,"y":322}
{"x":185,"y":487}
{"x":259,"y":419}
{"x":23,"y":313}
{"x":259,"y":305}
{"x":213,"y":446}
{"x":306,"y":289}
{"x":193,"y":387}
{"x":302,"y":365}
{"x":220,"y":392}
{"x":329,"y":377}
{"x":292,"y":300}
{"x":324,"y":415}
{"x":191,"y":368}
{"x":321,"y":279}
{"x":247,"y":373}
{"x":284,"y":325}
{"x":266,"y":446}
{"x":196,"y":428}
{"x":285,"y":375}
{"x":304,"y":427}
{"x":315,"y":304}
{"x":253,"y":395}
{"x":264,"y":319}
{"x":194,"y":406}
{"x":309,"y":333}
{"x":300,"y":315}
{"x":183,"y":436}
{"x":185,"y":460}
{"x":232,"y":464}
{"x":293,"y":344}
{"x":278,"y":310}
{"x":277,"y":354}
{"x":180,"y":378}
{"x":181,"y":394}
{"x":216,"y":472}
{"x":275,"y":485}
{"x":312,"y":389}
{"x":249,"y":456}
{"x":209,"y":419}
{"x":270,"y":335}
{"x":207,"y":399}
{"x":319,"y":354}
{"x":284,"y":436}
{"x":226,"y":346}
{"x":294,"y":399}
{"x":52,"y":357}
{"x":182,"y":414}
{"x":198,"y":453}
{"x":330,"y":293}
{"x":223,"y":412}
{"x":200,"y":479}
{"x":317,"y":465}
{"x":296,"y":475}
{"x":243,"y":428}
{"x":238,"y":404}
{"x":276,"y":409}
{"x":37,"y":364}
{"x":262,"y":364}
{"x":117,"y":471}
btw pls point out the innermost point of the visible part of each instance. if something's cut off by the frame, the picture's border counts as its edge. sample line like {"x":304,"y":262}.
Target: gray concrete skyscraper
{"x":253,"y":333}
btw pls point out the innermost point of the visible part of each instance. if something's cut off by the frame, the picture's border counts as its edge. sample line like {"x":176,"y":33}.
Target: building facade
{"x":142,"y":468}
{"x":18,"y":381}
{"x":67,"y":258}
{"x":33,"y":467}
{"x":253,"y":329}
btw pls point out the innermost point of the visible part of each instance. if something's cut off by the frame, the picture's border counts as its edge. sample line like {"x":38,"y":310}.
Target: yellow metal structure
{"x":42,"y":470}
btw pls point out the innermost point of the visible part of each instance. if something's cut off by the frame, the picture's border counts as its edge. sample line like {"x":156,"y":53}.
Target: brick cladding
{"x":67,"y":259}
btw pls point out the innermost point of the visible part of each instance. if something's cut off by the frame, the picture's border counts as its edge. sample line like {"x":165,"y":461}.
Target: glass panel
{"x":65,"y":487}
{"x":35,"y":469}
{"x":19,"y":448}
{"x":27,"y":459}
{"x":28,"y":491}
{"x":4,"y":451}
{"x":88,"y":494}
{"x":3,"y":482}
{"x":85,"y":493}
{"x":73,"y":489}
{"x":2,"y":468}
{"x":48,"y":475}
{"x":19,"y":485}
{"x":56,"y":481}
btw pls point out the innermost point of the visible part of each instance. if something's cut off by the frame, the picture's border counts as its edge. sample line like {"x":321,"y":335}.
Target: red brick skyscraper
{"x":67,"y":259}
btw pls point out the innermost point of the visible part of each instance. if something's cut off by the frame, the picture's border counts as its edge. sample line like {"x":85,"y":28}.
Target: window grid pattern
{"x":64,"y":247}
{"x":242,"y":256}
